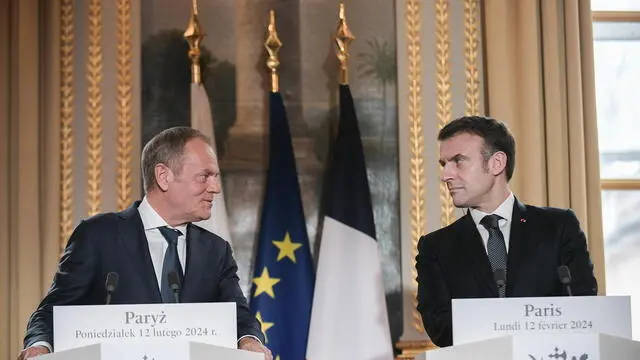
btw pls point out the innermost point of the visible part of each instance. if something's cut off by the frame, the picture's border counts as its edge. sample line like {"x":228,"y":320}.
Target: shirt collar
{"x":152,"y":220}
{"x":505,"y":210}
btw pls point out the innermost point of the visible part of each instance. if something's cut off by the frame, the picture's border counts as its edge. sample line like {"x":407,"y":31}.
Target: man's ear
{"x":498,"y":163}
{"x":164,"y":176}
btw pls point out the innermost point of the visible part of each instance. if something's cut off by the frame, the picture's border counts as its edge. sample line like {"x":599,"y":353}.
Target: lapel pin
{"x":523,"y":220}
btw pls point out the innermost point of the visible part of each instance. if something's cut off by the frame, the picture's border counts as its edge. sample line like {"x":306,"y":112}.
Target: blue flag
{"x":283,"y":279}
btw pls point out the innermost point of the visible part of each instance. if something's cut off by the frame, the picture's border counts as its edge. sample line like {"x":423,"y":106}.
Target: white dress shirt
{"x":152,"y":221}
{"x":158,"y":245}
{"x":505,"y":210}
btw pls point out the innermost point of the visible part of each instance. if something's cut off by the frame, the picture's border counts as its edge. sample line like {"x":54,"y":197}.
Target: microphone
{"x":500,"y":277}
{"x":174,"y":284}
{"x":111,"y":284}
{"x":564,"y":274}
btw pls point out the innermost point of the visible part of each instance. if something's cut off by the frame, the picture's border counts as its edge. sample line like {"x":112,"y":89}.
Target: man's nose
{"x":214,"y":185}
{"x":447,"y":173}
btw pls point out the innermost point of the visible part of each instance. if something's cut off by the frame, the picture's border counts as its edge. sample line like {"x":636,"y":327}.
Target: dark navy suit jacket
{"x":452,"y":263}
{"x":117,"y":242}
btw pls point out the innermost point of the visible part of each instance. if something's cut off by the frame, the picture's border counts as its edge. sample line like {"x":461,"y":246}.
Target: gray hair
{"x":166,"y":148}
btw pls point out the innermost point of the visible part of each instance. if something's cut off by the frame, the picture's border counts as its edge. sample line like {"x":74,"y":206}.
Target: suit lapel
{"x":197,"y":256}
{"x":519,"y":242}
{"x":131,"y":234}
{"x":476,"y":252}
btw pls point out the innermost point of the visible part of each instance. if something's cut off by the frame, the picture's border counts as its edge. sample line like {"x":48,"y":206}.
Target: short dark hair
{"x":495,"y":134}
{"x":167,"y":148}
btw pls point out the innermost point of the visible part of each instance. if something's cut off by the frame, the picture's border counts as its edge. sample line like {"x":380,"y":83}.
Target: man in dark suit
{"x":148,"y":241}
{"x":500,"y":247}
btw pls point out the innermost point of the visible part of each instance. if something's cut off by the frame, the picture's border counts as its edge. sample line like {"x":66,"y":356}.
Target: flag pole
{"x":343,"y":39}
{"x":194,"y":35}
{"x":348,"y":237}
{"x":273,"y":45}
{"x":201,"y":120}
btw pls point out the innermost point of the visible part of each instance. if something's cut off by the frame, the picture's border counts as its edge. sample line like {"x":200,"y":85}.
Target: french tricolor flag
{"x":349,"y":315}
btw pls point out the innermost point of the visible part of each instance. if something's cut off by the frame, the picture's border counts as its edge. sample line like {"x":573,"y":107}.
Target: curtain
{"x":539,"y":80}
{"x":29,"y":180}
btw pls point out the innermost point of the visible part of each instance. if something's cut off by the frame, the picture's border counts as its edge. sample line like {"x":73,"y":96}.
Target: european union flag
{"x":283,"y":279}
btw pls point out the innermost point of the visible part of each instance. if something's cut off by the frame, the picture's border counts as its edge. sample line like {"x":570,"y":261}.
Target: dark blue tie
{"x":171,"y":263}
{"x":496,"y":248}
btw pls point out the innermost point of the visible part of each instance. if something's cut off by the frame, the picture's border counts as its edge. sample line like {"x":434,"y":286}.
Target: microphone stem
{"x":108,"y":301}
{"x":569,"y":290}
{"x":176,"y":294}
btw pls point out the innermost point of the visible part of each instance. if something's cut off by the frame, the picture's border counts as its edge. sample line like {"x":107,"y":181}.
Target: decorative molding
{"x":620,"y":184}
{"x":616,"y":16}
{"x":443,"y":93}
{"x":416,"y":144}
{"x":94,"y":109}
{"x":472,"y":74}
{"x":125,"y":127}
{"x":411,"y":349}
{"x":66,"y":121}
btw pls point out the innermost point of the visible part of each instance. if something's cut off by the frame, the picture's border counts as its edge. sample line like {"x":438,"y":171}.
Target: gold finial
{"x":273,"y":45}
{"x":194,"y":36}
{"x":343,"y":38}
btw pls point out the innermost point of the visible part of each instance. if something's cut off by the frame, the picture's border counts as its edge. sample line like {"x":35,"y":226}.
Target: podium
{"x":192,"y":331}
{"x":557,"y":328}
{"x":541,"y":347}
{"x":153,"y":350}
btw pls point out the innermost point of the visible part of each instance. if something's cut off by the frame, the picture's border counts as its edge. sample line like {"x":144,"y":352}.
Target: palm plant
{"x":379,"y":63}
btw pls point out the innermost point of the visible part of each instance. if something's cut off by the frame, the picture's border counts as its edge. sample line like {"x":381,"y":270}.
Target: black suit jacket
{"x":117,"y":242}
{"x":452,"y":263}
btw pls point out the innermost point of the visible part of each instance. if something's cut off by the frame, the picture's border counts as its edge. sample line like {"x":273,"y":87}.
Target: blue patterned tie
{"x":496,"y":248}
{"x":171,"y":263}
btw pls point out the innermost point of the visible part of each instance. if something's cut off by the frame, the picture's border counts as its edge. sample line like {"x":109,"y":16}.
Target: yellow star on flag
{"x":287,"y":248}
{"x":265,"y":283}
{"x":264,"y":326}
{"x":278,"y":357}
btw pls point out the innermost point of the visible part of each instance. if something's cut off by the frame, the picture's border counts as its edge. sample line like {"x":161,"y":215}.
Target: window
{"x":616,"y":30}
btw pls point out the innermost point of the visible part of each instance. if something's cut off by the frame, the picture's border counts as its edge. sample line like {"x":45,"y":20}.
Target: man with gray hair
{"x":150,"y":240}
